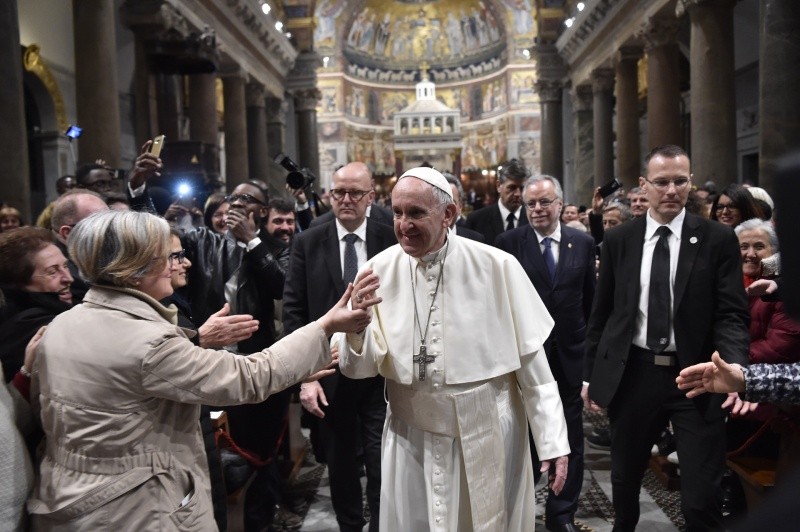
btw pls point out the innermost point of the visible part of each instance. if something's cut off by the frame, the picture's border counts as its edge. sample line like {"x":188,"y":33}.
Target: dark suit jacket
{"x":469,"y":233}
{"x":376,"y":213}
{"x":314,"y":280}
{"x":488,"y":222}
{"x":569,"y":299}
{"x":710,"y":307}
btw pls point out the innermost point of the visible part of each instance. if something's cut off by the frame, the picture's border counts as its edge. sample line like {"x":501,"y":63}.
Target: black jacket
{"x":22,"y":314}
{"x":215,"y":258}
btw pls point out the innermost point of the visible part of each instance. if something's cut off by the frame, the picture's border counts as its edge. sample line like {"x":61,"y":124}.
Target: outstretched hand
{"x":343,"y":319}
{"x":221,"y":329}
{"x":365,"y":290}
{"x":716,"y":376}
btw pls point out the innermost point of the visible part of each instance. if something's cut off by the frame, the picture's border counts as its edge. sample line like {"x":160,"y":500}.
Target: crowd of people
{"x":449,"y":358}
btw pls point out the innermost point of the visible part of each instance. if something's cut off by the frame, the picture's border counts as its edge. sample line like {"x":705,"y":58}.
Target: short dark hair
{"x":17,"y":249}
{"x":84,"y":171}
{"x":280,"y":205}
{"x":668,"y":151}
{"x":513,"y":169}
{"x":262,"y":186}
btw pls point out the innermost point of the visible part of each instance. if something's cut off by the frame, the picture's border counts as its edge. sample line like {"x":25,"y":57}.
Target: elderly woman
{"x":120,"y":386}
{"x":774,"y":336}
{"x":735,"y":205}
{"x":35,"y":281}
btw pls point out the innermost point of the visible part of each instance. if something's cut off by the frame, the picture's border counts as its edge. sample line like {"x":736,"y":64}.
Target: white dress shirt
{"x":360,"y":244}
{"x":504,"y":212}
{"x":555,"y":236}
{"x":650,"y":239}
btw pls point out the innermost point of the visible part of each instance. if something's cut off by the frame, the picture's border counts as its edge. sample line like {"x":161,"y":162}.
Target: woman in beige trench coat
{"x":119,"y":387}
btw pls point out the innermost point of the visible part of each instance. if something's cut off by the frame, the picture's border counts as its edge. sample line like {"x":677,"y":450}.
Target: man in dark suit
{"x":559,"y":261}
{"x":375,"y":213}
{"x":351,"y":411}
{"x":670,"y":293}
{"x":507,"y":213}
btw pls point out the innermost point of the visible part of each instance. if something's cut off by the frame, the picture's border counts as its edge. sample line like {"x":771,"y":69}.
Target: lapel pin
{"x":693,"y":240}
{"x":569,"y":245}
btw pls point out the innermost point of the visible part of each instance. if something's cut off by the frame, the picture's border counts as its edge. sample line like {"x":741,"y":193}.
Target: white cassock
{"x":455,"y":451}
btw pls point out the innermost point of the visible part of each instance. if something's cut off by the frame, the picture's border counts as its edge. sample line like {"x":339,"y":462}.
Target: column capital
{"x":254,"y":94}
{"x":306,"y":99}
{"x":549,"y":63}
{"x":304,"y":72}
{"x":658,"y":31}
{"x":629,"y":53}
{"x":582,"y":98}
{"x":682,"y":6}
{"x":232,"y":72}
{"x":276,"y":110}
{"x":602,"y":80}
{"x":549,"y":90}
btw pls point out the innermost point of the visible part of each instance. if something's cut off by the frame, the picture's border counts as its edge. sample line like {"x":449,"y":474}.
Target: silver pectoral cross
{"x":423,"y":359}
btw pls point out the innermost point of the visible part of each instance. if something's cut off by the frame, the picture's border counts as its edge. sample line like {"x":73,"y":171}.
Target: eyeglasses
{"x":663,"y":184}
{"x":730,"y":206}
{"x":244,"y":198}
{"x":545,"y":203}
{"x":177,"y":255}
{"x":355,"y":195}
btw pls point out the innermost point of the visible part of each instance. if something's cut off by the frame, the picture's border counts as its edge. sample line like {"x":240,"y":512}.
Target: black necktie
{"x":350,"y":258}
{"x":549,"y":260}
{"x":510,"y":220}
{"x":658,"y":307}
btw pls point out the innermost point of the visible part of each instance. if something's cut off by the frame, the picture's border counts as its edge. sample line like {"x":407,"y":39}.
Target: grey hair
{"x":443,"y":199}
{"x":65,"y":210}
{"x":636,"y":190}
{"x":118,"y":247}
{"x":453,"y":180}
{"x":544,"y":177}
{"x":624,"y":211}
{"x":757,"y":224}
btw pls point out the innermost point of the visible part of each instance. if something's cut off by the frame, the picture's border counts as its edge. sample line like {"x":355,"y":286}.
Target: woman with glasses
{"x":735,"y":205}
{"x":36,"y":284}
{"x":120,"y":383}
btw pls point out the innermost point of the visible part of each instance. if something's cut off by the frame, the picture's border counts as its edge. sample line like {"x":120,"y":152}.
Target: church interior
{"x":580,"y":90}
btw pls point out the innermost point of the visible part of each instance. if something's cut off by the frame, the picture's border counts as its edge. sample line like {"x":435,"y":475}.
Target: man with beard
{"x":245,"y":268}
{"x":281,"y":220}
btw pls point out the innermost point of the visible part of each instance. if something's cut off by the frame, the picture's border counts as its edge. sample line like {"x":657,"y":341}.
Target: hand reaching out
{"x":145,"y":167}
{"x":343,"y":319}
{"x":221,"y":329}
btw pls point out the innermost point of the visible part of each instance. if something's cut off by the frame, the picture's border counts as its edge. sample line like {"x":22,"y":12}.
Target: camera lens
{"x":296,"y":180}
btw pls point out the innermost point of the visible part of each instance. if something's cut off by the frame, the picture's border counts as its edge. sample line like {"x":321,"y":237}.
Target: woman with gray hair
{"x":120,"y":384}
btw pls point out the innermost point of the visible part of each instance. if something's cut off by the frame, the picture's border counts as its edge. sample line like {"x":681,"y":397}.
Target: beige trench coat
{"x":119,"y":387}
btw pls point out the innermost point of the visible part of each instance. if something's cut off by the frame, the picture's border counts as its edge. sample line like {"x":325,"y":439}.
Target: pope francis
{"x":457,"y":332}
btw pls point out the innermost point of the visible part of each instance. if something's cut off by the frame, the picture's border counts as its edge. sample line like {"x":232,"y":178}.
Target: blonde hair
{"x":119,"y":247}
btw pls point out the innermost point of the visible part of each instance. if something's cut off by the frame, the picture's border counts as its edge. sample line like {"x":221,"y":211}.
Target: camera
{"x":73,"y":132}
{"x":297,"y":177}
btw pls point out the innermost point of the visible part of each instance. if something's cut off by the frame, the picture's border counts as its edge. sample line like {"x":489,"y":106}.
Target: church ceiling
{"x":381,"y":36}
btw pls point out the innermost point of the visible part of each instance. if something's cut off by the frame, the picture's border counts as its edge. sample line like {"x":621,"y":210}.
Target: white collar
{"x":504,"y":212}
{"x":555,"y":236}
{"x":675,"y":225}
{"x":361,"y":230}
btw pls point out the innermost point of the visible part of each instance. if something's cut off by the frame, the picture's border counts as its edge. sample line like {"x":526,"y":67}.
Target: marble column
{"x":237,"y":169}
{"x":203,"y":125}
{"x":550,"y":71}
{"x":305,"y":109}
{"x":603,"y":124}
{"x":627,"y":94}
{"x":15,"y":188}
{"x":96,"y":94}
{"x":583,"y":173}
{"x":663,"y":82}
{"x":258,"y":155}
{"x":169,"y":97}
{"x":275,"y":109}
{"x":713,"y":97}
{"x":779,"y":78}
{"x":302,"y":85}
{"x":551,"y":142}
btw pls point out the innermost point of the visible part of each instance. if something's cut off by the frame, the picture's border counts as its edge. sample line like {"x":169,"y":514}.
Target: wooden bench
{"x":757,"y":475}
